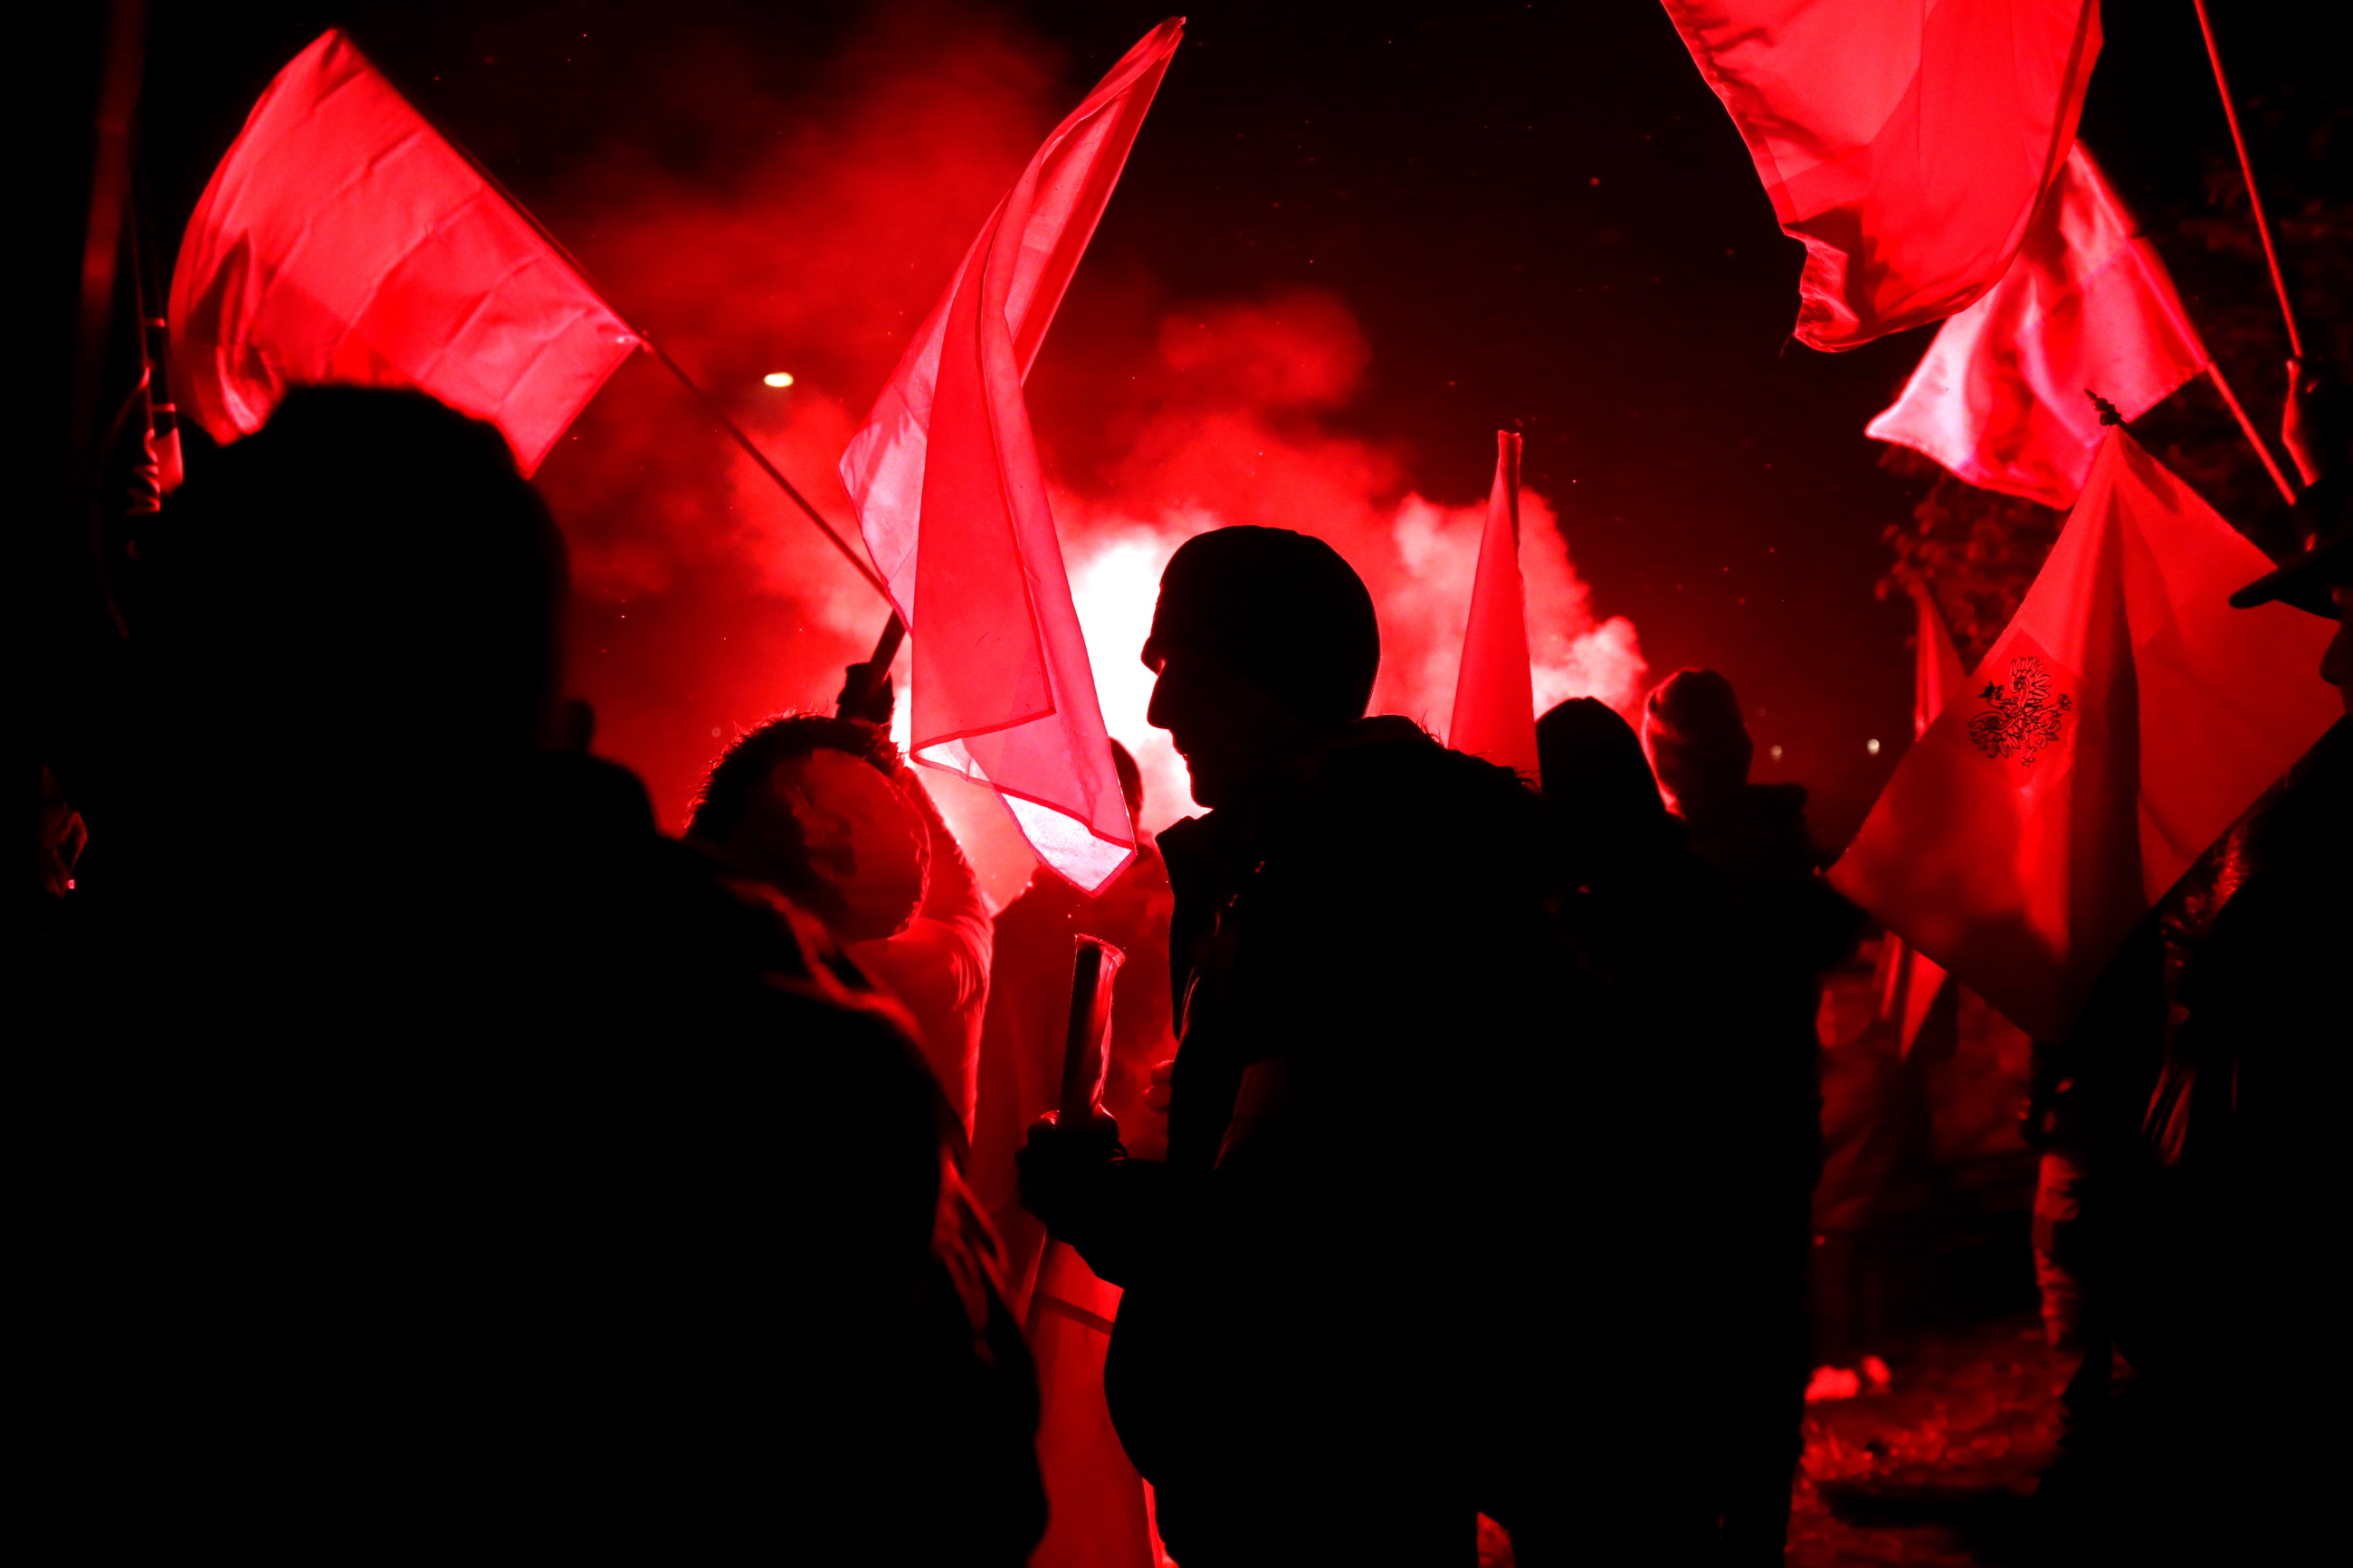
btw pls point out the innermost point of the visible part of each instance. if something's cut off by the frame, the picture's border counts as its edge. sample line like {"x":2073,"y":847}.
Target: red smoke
{"x":1235,"y":439}
{"x":707,"y":603}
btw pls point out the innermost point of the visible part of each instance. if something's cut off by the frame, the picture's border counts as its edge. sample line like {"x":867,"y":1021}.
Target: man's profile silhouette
{"x":1359,"y":949}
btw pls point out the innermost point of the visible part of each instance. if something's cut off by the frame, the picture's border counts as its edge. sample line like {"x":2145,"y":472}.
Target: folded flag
{"x":1909,"y":979}
{"x":952,"y":502}
{"x":2122,"y":722}
{"x":1494,"y":690}
{"x":342,"y":239}
{"x":2087,"y":307}
{"x":1908,"y":145}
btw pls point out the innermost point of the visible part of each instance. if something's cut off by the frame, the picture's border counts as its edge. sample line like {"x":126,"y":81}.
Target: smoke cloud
{"x":1236,"y":438}
{"x":706,"y":603}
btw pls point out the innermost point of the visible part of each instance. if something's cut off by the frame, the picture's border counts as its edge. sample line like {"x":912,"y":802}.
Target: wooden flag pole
{"x":2254,"y":198}
{"x":859,"y":692}
{"x":710,"y":405}
{"x":894,"y":630}
{"x":2255,"y":438}
{"x":886,"y":646}
{"x":855,"y":557}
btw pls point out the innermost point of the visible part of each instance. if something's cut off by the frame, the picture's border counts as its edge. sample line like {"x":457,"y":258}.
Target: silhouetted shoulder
{"x":1389,"y":777}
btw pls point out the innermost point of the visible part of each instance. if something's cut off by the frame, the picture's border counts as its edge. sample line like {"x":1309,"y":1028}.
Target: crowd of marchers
{"x":457,"y":1163}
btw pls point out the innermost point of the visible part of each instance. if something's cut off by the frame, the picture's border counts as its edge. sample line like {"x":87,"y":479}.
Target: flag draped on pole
{"x":2087,"y":307}
{"x":1495,"y":690}
{"x":345,"y":240}
{"x":2123,"y":719}
{"x":1908,"y":145}
{"x":952,"y":501}
{"x":1908,"y":979}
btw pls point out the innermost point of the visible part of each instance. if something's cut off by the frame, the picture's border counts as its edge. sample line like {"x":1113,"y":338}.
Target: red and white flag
{"x":2087,"y":307}
{"x":1908,"y":979}
{"x":345,"y":240}
{"x":1906,"y":145}
{"x":952,"y":502}
{"x":1494,"y":688}
{"x":2123,"y":718}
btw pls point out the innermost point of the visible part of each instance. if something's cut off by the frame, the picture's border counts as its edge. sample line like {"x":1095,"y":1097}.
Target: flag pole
{"x":710,"y":407}
{"x":886,"y":646}
{"x":2255,"y":199}
{"x":866,"y":679}
{"x":857,"y":561}
{"x":2238,"y":412}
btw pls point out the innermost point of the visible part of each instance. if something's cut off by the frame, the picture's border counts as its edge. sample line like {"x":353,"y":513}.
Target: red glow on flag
{"x":1936,"y":672}
{"x":1908,"y":980}
{"x":951,"y":499}
{"x":1494,"y":696}
{"x":2122,"y":721}
{"x":343,"y":240}
{"x":1908,"y":145}
{"x":2087,"y":306}
{"x":707,"y":603}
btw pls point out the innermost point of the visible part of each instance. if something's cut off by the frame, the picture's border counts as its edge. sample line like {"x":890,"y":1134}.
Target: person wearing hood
{"x":1787,"y":927}
{"x":1708,"y":1350}
{"x":1360,"y":961}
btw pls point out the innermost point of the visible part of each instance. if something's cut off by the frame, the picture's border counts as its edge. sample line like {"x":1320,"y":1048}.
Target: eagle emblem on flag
{"x":2022,"y":717}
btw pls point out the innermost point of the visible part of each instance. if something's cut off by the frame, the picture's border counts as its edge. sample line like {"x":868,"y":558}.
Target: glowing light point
{"x":778,"y":378}
{"x":1872,"y":746}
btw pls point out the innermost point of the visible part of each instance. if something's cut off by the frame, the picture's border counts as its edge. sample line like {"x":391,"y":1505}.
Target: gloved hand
{"x":1063,"y":1169}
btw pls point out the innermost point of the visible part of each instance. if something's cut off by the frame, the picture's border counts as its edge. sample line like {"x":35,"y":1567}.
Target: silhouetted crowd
{"x":457,"y":1164}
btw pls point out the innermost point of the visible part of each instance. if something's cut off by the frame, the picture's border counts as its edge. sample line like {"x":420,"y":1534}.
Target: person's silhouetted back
{"x":477,"y":1169}
{"x":1788,"y":927}
{"x":1701,"y":1351}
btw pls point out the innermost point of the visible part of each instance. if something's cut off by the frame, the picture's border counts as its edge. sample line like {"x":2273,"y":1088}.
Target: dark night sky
{"x":1538,"y":211}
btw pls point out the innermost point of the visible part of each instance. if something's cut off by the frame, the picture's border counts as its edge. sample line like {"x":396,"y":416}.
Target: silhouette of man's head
{"x":815,"y":807}
{"x":1698,"y":743}
{"x":1597,"y":781}
{"x":1265,"y":642}
{"x":1592,"y":760}
{"x":369,"y":564}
